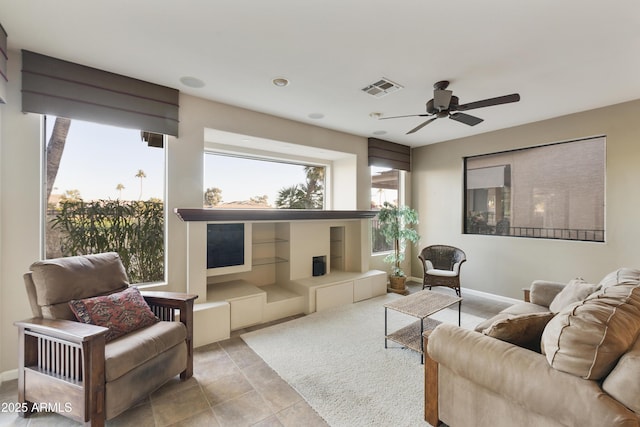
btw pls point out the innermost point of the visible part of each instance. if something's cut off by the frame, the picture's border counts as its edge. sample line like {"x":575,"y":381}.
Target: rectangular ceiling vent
{"x":382,"y":87}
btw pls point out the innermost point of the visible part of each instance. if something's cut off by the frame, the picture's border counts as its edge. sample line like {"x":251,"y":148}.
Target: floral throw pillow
{"x":121,"y":312}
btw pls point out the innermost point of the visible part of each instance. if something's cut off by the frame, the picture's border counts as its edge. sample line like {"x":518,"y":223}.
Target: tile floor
{"x":231,"y":386}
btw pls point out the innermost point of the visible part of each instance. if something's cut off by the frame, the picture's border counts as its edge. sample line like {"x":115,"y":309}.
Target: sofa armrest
{"x":164,"y":305}
{"x":542,"y":292}
{"x":525,"y":378}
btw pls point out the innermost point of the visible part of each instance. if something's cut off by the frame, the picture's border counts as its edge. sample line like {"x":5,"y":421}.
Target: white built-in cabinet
{"x":280,"y":283}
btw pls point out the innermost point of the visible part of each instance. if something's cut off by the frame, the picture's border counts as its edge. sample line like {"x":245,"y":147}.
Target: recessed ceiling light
{"x":316,"y":116}
{"x":280,"y":81}
{"x":191,"y":82}
{"x":380,"y":132}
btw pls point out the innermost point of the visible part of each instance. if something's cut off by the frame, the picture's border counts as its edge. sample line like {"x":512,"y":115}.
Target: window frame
{"x":530,"y":231}
{"x":274,"y":158}
{"x":402,"y":174}
{"x":44,"y":202}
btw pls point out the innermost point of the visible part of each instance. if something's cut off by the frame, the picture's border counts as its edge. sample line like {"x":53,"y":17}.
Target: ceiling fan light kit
{"x":445,"y":104}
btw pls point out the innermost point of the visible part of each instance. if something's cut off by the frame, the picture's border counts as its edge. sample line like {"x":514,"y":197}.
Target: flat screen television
{"x":228,"y":248}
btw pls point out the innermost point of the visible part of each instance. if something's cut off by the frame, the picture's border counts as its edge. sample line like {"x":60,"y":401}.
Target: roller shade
{"x":489,"y":177}
{"x":3,"y":65}
{"x":389,"y":154}
{"x":65,"y":89}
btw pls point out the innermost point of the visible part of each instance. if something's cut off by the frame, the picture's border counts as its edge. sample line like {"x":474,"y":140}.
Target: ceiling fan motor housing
{"x":453,"y":106}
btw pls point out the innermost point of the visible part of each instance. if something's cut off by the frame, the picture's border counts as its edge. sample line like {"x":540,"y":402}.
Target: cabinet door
{"x":379,"y":284}
{"x":246,"y":312}
{"x":362,"y":289}
{"x":334,"y":296}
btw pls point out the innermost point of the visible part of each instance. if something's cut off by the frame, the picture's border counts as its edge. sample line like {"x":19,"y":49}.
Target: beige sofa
{"x":88,"y":372}
{"x":587,"y":374}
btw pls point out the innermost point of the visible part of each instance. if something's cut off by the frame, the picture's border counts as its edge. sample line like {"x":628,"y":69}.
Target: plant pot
{"x":397,"y":284}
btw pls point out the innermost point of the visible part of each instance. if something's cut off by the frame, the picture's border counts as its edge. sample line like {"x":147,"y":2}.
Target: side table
{"x":421,"y":304}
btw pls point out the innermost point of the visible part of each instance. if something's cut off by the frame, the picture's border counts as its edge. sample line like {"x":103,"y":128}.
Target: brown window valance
{"x":65,"y":89}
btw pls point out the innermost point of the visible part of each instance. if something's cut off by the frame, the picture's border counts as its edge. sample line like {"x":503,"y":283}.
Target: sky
{"x":240,"y":179}
{"x":98,"y":157}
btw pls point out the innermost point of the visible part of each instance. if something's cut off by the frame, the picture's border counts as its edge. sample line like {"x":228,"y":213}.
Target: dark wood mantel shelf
{"x":213,"y":214}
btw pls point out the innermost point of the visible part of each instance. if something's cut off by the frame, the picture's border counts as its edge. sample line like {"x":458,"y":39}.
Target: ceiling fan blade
{"x":466,"y":119}
{"x":410,"y":115}
{"x":420,"y":126}
{"x":441,"y":99}
{"x":514,"y":97}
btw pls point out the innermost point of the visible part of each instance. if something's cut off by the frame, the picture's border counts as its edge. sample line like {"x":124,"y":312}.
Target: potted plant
{"x":395,"y":222}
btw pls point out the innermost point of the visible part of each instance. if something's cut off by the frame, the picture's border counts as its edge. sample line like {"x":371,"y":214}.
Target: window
{"x":553,"y":191}
{"x":245,"y":182}
{"x":384,"y":188}
{"x":104,"y":192}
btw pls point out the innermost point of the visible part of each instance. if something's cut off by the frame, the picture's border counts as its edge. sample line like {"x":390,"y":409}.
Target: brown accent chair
{"x":441,"y":266}
{"x":65,"y":365}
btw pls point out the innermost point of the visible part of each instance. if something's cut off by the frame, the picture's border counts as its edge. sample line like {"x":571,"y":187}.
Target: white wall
{"x":20,"y":189}
{"x":504,"y":265}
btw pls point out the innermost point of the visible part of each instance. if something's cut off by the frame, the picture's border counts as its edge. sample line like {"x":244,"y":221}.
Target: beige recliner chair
{"x":66,"y":366}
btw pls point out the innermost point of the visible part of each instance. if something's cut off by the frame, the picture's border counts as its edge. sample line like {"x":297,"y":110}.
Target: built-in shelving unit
{"x":279,"y":281}
{"x":336,"y":248}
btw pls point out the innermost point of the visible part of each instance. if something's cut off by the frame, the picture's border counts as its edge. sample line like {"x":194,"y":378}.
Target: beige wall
{"x":20,"y":188}
{"x":504,"y":265}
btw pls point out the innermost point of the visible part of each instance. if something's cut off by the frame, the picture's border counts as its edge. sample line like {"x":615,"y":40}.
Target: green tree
{"x":212,"y":196}
{"x":71,"y":196}
{"x":120,"y":187}
{"x":309,"y":195}
{"x":133,"y":229}
{"x":142,"y":176}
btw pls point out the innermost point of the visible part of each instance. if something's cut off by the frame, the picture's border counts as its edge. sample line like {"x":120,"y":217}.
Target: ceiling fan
{"x":445,"y":104}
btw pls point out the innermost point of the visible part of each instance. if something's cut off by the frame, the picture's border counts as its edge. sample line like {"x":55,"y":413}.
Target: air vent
{"x":382,"y":87}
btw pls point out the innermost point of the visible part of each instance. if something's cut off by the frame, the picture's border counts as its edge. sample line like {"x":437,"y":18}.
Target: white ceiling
{"x":560,"y":56}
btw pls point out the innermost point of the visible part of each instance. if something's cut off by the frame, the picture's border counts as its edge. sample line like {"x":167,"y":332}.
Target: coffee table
{"x":421,"y":304}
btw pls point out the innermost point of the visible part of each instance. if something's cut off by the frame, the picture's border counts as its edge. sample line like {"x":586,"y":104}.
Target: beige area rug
{"x":337,"y":361}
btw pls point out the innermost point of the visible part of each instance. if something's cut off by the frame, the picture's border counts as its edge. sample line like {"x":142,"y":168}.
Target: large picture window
{"x":105,"y":192}
{"x":246,"y":182}
{"x":554,"y":191}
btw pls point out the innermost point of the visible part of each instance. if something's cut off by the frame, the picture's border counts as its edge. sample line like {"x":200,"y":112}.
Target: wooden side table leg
{"x":430,"y":387}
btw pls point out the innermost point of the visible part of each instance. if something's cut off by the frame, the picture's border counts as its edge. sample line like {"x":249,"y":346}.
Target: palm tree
{"x":55,"y":148}
{"x":142,"y":176}
{"x":119,"y":187}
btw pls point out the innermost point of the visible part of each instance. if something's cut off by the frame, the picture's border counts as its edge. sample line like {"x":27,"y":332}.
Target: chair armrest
{"x":542,"y":292}
{"x":66,"y":330}
{"x":524,"y":378}
{"x":168,"y":299}
{"x":164,"y":305}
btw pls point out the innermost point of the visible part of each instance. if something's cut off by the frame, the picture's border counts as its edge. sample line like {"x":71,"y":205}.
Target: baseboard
{"x":8,"y":375}
{"x":487,"y":295}
{"x":477,"y":293}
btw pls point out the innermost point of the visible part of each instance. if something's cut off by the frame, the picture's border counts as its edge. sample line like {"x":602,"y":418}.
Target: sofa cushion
{"x":518,"y":309}
{"x":523,"y":330}
{"x":624,"y":275}
{"x":576,"y":290}
{"x":121,"y":312}
{"x":622,"y":383}
{"x":132,"y":350}
{"x":587,"y":338}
